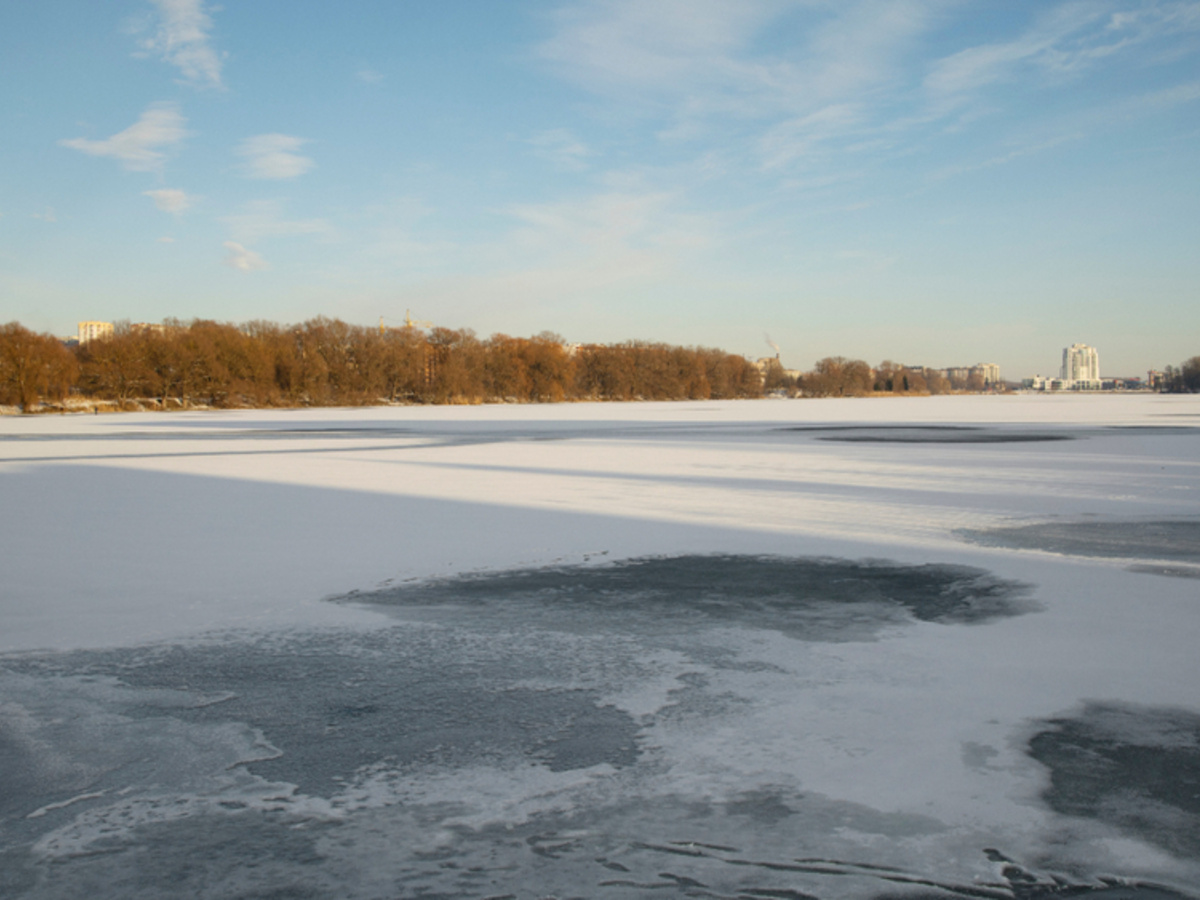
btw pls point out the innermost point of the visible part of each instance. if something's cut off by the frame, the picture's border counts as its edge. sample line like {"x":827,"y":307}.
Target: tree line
{"x":837,"y":376}
{"x":326,"y":362}
{"x":1184,"y":379}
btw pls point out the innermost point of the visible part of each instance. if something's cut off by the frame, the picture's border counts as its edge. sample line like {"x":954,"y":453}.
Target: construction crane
{"x":409,"y":322}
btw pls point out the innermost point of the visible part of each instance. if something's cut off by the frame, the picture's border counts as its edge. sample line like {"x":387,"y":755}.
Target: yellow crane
{"x":409,"y":322}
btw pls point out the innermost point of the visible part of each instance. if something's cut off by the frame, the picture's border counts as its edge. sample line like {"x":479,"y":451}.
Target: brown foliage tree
{"x":115,"y":367}
{"x":326,"y":361}
{"x":455,"y":366}
{"x":33,"y":367}
{"x":836,"y":376}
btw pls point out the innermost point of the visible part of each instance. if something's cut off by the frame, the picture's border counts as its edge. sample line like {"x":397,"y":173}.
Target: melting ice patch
{"x":1129,"y":766}
{"x":812,"y":598}
{"x":649,"y":727}
{"x":1164,"y":539}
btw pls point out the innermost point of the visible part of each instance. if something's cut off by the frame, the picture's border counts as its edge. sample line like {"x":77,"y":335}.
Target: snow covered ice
{"x":942,"y":647}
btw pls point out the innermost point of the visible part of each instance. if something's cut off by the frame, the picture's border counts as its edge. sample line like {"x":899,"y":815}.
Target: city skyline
{"x":930,"y":182}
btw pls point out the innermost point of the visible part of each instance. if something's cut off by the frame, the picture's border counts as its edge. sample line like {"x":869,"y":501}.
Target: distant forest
{"x":1182,"y":380}
{"x":327,"y":362}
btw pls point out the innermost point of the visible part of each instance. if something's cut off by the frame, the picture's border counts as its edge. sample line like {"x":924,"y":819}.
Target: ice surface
{"x":602,"y":650}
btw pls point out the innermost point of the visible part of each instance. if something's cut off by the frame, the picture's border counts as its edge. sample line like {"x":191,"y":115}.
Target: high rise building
{"x":1081,"y":367}
{"x":93,"y":331}
{"x":990,"y":372}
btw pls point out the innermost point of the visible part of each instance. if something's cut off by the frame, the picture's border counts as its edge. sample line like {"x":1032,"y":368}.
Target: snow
{"x":208,"y":626}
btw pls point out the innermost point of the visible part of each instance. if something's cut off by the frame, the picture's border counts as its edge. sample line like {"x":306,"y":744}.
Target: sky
{"x":934,"y":182}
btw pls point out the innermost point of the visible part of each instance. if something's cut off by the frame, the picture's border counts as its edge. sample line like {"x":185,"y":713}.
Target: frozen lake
{"x":940,"y":647}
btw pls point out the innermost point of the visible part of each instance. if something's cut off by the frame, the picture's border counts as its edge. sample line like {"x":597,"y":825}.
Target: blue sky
{"x":927,"y":181}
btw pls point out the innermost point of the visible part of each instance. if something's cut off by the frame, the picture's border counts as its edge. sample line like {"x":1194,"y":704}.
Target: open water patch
{"x":815,"y":598}
{"x":1132,"y":767}
{"x":926,"y":434}
{"x":921,"y":437}
{"x":1176,"y":540}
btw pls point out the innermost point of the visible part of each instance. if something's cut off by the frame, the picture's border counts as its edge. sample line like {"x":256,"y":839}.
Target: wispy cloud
{"x":368,"y":75}
{"x":614,"y":236}
{"x":791,"y":85}
{"x":1005,"y":158}
{"x":606,"y":219}
{"x":662,"y":47}
{"x":170,"y":200}
{"x":561,"y":149}
{"x":47,"y":216}
{"x":1064,"y":40}
{"x":238,"y":257}
{"x":702,"y":62}
{"x":266,"y":219}
{"x":274,"y":156}
{"x":138,"y":147}
{"x":1188,"y":92}
{"x":703,"y":55}
{"x":975,"y":67}
{"x":801,"y":136}
{"x":181,"y":38}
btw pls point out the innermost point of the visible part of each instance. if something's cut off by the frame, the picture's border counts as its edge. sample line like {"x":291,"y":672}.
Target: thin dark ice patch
{"x":924,"y":434}
{"x":336,"y":704}
{"x":1161,"y":539}
{"x":259,"y":855}
{"x":1134,"y":768}
{"x":993,"y":437}
{"x":1012,"y":881}
{"x":930,"y":428}
{"x":1167,"y":571}
{"x":817,"y":598}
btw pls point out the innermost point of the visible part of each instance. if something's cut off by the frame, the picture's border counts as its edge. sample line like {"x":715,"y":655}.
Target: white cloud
{"x":242,"y":259}
{"x":621,"y":44}
{"x":169,"y":200}
{"x":561,"y":149}
{"x":273,"y":156}
{"x":605,"y":237}
{"x":701,"y":63}
{"x":1174,"y":96}
{"x":790,"y":83}
{"x":47,"y":216}
{"x":182,"y":40}
{"x":369,"y":76}
{"x":1005,"y":158}
{"x":1064,"y":40}
{"x":801,"y":136}
{"x":586,"y":252}
{"x":700,"y":56}
{"x":137,"y":147}
{"x":265,"y":218}
{"x":166,"y":240}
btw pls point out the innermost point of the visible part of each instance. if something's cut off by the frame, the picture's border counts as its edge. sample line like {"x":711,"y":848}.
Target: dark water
{"x":1163,"y":539}
{"x":806,"y":597}
{"x":1134,"y":767}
